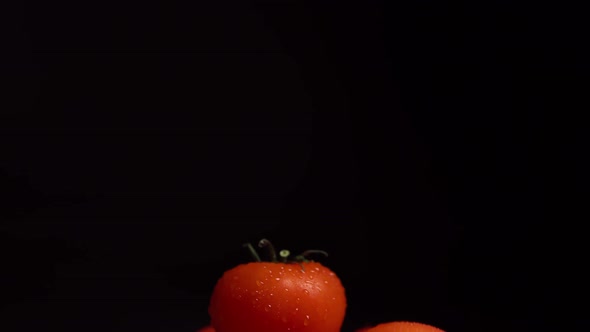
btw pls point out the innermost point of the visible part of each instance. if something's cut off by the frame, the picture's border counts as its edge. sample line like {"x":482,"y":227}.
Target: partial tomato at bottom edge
{"x":400,"y":326}
{"x":207,"y":328}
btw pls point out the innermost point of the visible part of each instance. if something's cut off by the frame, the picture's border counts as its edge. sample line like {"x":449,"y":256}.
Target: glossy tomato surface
{"x":275,"y":297}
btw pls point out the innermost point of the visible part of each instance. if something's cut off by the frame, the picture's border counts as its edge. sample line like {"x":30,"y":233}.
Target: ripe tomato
{"x":402,"y":327}
{"x":275,"y":296}
{"x":207,"y":328}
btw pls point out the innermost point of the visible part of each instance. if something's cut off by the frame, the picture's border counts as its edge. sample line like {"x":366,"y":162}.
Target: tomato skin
{"x":207,"y":328}
{"x":401,"y":327}
{"x":275,"y":297}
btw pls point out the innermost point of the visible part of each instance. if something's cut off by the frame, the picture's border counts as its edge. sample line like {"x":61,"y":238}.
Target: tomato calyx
{"x":283,"y":256}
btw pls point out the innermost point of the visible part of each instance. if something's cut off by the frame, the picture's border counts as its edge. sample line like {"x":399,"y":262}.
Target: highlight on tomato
{"x":283,"y":294}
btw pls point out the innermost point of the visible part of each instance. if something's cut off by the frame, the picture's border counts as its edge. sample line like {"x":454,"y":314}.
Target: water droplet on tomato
{"x":290,"y":269}
{"x":306,"y":320}
{"x":259,"y":283}
{"x":277,"y":279}
{"x":310,"y":276}
{"x":296,"y":309}
{"x":306,"y":292}
{"x":317,"y":269}
{"x":267,"y":308}
{"x":326,"y":282}
{"x":271,"y":294}
{"x":286,"y":289}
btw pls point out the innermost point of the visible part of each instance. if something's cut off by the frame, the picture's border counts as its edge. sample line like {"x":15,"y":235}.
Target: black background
{"x":436,"y":149}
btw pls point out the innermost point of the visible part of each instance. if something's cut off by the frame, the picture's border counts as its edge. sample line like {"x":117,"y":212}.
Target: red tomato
{"x":278,"y":296}
{"x":208,"y":328}
{"x":401,"y":327}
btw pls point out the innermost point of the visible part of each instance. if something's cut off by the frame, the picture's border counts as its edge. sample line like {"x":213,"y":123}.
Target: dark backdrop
{"x":436,"y":149}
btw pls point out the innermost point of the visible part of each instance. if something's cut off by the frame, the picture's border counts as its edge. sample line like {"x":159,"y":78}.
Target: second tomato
{"x":401,"y":327}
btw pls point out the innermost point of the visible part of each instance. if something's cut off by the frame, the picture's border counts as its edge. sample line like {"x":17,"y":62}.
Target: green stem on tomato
{"x":253,"y":252}
{"x":271,"y":249}
{"x":311,"y":252}
{"x":284,"y":255}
